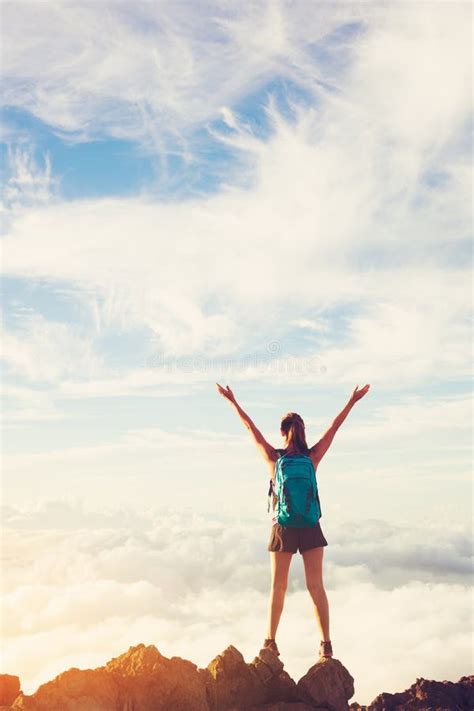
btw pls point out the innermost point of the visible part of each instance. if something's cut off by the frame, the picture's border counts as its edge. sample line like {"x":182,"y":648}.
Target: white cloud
{"x":403,"y":327}
{"x":424,"y":419}
{"x":176,"y":65}
{"x":28,"y":182}
{"x":412,"y":60}
{"x":179,"y":581}
{"x":43,"y":350}
{"x":326,"y":221}
{"x":158,"y":70}
{"x":23,"y":404}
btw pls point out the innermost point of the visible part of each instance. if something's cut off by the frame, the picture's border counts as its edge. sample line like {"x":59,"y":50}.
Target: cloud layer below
{"x":81,"y":585}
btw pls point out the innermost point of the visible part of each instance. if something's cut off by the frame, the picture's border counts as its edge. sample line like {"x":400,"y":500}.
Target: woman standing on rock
{"x":285,"y":540}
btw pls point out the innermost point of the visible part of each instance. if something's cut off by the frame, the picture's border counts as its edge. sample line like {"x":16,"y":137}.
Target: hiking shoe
{"x":325,"y":648}
{"x":271,"y":644}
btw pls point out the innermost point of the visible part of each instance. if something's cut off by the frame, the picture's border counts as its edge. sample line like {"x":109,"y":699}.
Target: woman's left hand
{"x":226,"y":392}
{"x":357,"y":394}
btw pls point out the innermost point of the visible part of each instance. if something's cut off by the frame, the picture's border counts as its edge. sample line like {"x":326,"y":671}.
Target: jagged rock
{"x":233,"y":681}
{"x":9,"y":689}
{"x":426,"y":695}
{"x":153,"y":682}
{"x":280,"y":686}
{"x":74,"y":690}
{"x":142,"y":679}
{"x":271,"y":659}
{"x":328,"y":684}
{"x":233,"y":684}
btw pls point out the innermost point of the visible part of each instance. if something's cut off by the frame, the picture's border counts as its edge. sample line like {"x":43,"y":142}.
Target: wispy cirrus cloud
{"x":371,"y":186}
{"x":29,"y":183}
{"x":159,"y":70}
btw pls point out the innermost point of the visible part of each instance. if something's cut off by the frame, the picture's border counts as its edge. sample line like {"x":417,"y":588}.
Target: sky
{"x":270,"y":195}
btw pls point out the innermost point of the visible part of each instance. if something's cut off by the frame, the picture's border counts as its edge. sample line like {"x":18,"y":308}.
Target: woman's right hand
{"x":226,"y":392}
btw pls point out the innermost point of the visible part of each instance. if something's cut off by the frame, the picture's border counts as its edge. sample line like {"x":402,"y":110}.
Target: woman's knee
{"x":315,"y":586}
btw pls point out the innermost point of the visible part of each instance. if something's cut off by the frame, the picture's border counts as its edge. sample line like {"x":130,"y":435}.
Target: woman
{"x":285,"y":541}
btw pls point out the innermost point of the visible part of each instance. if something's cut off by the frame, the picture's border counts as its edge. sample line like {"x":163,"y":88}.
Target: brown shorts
{"x":288,"y":539}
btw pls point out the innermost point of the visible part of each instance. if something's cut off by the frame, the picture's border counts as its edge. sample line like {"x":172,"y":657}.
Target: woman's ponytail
{"x":293,"y":427}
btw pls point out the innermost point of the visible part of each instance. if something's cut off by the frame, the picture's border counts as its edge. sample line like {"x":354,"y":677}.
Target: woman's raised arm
{"x":318,"y":450}
{"x":266,"y":449}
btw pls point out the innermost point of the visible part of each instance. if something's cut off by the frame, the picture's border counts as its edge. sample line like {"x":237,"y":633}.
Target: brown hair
{"x":293,"y":427}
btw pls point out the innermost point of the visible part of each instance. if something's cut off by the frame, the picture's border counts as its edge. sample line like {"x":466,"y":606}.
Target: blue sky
{"x":270,"y":195}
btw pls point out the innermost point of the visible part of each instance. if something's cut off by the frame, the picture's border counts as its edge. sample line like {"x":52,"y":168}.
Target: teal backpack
{"x":296,"y":491}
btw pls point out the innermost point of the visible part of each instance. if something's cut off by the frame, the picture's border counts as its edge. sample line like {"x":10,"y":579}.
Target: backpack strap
{"x":270,"y":491}
{"x":309,"y":496}
{"x":271,"y":487}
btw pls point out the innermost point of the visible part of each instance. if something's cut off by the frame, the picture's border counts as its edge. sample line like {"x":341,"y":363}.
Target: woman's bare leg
{"x":313,"y":570}
{"x":280,"y":565}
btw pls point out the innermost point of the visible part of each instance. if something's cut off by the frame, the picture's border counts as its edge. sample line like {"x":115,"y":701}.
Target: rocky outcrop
{"x":230,"y":682}
{"x":327,"y":684}
{"x":426,"y":695}
{"x":9,"y":689}
{"x":142,"y":679}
